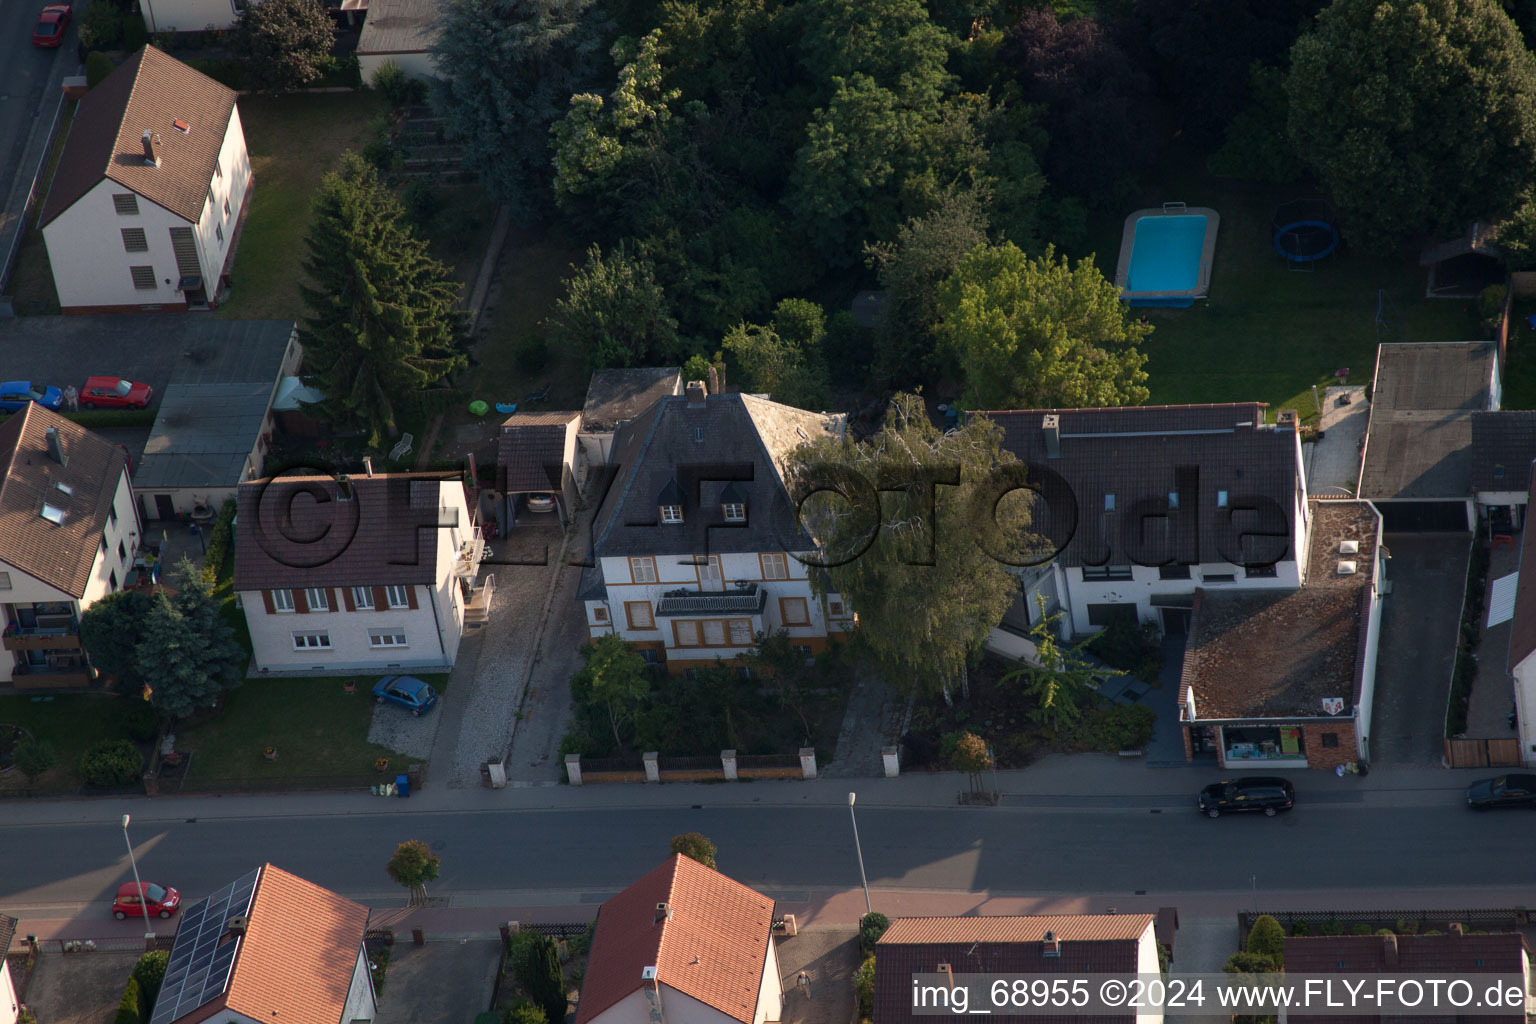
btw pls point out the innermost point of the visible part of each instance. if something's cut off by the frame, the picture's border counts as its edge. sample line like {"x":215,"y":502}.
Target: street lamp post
{"x":149,"y":931}
{"x":859,"y":850}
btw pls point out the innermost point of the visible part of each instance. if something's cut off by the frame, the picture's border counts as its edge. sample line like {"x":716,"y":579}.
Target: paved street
{"x":29,"y":96}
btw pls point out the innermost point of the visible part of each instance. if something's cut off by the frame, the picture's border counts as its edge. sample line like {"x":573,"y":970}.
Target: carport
{"x":1418,"y":458}
{"x":536,"y":454}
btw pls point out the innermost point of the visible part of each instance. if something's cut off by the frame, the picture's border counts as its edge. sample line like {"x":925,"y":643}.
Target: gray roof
{"x":1503,"y":445}
{"x":616,"y":396}
{"x":532,"y":450}
{"x":1480,"y":239}
{"x":749,"y":599}
{"x":1142,"y":454}
{"x":590,"y":586}
{"x":212,"y":411}
{"x":739,"y":438}
{"x":1419,"y":442}
{"x":398,"y":26}
{"x":7,"y":932}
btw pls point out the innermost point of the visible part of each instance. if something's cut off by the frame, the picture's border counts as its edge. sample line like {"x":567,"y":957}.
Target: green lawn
{"x":317,"y":728}
{"x":293,"y":141}
{"x":73,"y":723}
{"x":1520,"y":374}
{"x":31,"y":284}
{"x":1267,"y":333}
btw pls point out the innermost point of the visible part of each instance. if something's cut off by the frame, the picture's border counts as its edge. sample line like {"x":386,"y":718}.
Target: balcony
{"x":466,"y":564}
{"x":41,"y":638}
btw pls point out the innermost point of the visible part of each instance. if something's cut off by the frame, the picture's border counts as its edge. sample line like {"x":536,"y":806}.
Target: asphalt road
{"x":24,"y":76}
{"x":1418,"y":841}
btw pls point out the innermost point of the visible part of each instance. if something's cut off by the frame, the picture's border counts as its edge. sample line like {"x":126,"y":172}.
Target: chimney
{"x":663,"y":913}
{"x":1389,"y":952}
{"x":148,"y":139}
{"x":368,"y":464}
{"x":714,"y":381}
{"x":1051,"y":945}
{"x":1287,"y":420}
{"x":696,"y":392}
{"x":56,"y":446}
{"x":1457,"y":928}
{"x":237,"y":925}
{"x":343,"y":487}
{"x":1051,"y":428}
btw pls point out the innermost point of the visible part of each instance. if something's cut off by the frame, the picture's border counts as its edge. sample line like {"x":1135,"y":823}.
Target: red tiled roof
{"x":299,"y":953}
{"x":713,"y":948}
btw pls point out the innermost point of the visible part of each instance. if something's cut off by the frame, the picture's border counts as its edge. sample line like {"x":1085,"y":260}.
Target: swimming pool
{"x":1165,"y":256}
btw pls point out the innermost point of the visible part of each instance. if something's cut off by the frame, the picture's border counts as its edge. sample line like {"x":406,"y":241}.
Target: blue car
{"x":407,"y":691}
{"x":15,"y":394}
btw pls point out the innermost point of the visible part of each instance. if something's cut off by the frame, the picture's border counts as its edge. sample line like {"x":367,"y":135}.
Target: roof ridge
{"x":630,"y":471}
{"x":666,"y":920}
{"x":117,"y":135}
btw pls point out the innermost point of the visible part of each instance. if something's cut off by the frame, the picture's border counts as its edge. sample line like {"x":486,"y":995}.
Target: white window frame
{"x":671,"y":514}
{"x":645,"y":562}
{"x":379,"y":639}
{"x":398,"y":596}
{"x":362,"y":599}
{"x":735,"y":512}
{"x":282,"y":600}
{"x":317,"y":599}
{"x":311,"y":641}
{"x":782,"y":564}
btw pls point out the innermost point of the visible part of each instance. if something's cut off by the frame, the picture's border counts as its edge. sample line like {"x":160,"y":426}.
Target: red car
{"x":115,"y":393}
{"x":51,"y":25}
{"x":158,"y":900}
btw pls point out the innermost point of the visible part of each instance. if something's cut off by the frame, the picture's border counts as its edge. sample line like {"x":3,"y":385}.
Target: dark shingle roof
{"x":532,"y":450}
{"x":152,"y":91}
{"x":1144,"y":454}
{"x":703,"y":448}
{"x":1503,"y":445}
{"x":59,"y":554}
{"x":616,"y":396}
{"x":750,"y":598}
{"x":295,"y":533}
{"x":1419,"y":442}
{"x":7,"y":932}
{"x":1097,"y":943}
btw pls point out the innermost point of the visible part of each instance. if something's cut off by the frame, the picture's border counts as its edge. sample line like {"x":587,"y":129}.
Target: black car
{"x":1504,"y":791}
{"x":1251,"y":794}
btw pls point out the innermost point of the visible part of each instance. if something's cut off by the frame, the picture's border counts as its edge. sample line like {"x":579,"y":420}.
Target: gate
{"x":1497,"y":753}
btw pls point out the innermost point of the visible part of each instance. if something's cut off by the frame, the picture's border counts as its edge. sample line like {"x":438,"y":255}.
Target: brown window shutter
{"x":300,"y":601}
{"x":266,"y":599}
{"x":380,"y":599}
{"x":346,"y":596}
{"x":410,"y":597}
{"x":330,"y":599}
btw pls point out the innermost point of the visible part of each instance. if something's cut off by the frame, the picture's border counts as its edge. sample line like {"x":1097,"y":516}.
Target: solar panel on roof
{"x":200,"y":966}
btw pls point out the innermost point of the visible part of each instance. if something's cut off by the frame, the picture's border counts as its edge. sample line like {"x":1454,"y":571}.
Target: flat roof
{"x":399,"y":26}
{"x":1277,"y":654}
{"x":1419,"y":442}
{"x":618,"y":395}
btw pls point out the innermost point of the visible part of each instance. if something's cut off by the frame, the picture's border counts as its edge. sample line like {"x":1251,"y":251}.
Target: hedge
{"x":128,"y":1007}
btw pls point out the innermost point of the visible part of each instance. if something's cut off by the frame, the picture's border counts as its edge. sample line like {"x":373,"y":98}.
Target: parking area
{"x":441,"y":982}
{"x":62,"y":350}
{"x":79,"y":988}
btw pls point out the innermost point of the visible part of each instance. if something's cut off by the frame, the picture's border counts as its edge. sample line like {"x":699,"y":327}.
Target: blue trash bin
{"x":403,"y":785}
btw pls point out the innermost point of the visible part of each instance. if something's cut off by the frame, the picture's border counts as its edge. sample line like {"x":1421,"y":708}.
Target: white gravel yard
{"x":404,"y":733}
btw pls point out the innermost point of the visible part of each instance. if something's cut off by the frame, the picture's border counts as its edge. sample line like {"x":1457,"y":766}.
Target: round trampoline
{"x":1304,"y":231}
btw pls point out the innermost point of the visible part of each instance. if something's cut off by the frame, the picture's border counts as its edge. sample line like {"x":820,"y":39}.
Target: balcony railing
{"x":466,"y":563}
{"x":64,"y":636}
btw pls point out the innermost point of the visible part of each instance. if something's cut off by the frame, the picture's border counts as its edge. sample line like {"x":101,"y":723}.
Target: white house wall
{"x":1146,"y":584}
{"x":90,"y":266}
{"x":10,"y":1006}
{"x":126,"y":531}
{"x":634,"y":1009}
{"x":188,"y":15}
{"x":417,"y":64}
{"x":1525,"y":709}
{"x":230,"y":186}
{"x":360,"y":1003}
{"x":272,"y":636}
{"x":1147,"y":963}
{"x":770,"y":994}
{"x":1368,"y":670}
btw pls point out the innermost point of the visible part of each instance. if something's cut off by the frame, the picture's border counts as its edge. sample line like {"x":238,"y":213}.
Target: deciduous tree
{"x":972,"y":757}
{"x":1417,"y":117}
{"x":413,"y":866}
{"x":187,"y":651}
{"x":784,"y":358}
{"x":920,"y":561}
{"x":509,"y":69}
{"x":110,"y":631}
{"x":1040,"y":333}
{"x":695,"y":846}
{"x":615,"y":677}
{"x":285,"y":43}
{"x":384,"y":325}
{"x":615,"y":312}
{"x":1058,"y":679}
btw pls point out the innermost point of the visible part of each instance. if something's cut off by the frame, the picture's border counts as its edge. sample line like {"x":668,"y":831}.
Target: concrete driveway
{"x":79,"y":988}
{"x":445,"y":982}
{"x":1419,"y":624}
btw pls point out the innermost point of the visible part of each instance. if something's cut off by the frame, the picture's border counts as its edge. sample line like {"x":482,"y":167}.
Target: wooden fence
{"x":1490,"y":753}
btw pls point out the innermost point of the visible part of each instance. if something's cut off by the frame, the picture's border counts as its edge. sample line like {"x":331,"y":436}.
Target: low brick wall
{"x":769,"y":773}
{"x":587,"y":776}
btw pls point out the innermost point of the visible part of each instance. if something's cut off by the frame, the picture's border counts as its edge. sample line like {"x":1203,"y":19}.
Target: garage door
{"x":1423,"y":516}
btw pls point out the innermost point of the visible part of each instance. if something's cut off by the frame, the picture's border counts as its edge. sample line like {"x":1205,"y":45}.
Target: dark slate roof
{"x":704,"y":447}
{"x":1141,"y":455}
{"x":590,"y":586}
{"x":59,"y":554}
{"x":1089,"y":943}
{"x":1480,"y":239}
{"x":294,"y":532}
{"x":1503,"y":445}
{"x":1419,"y":442}
{"x":532,"y":450}
{"x":1522,"y":629}
{"x":619,"y":395}
{"x":748,"y":599}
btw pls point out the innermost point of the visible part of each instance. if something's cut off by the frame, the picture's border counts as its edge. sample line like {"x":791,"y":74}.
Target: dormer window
{"x":733,"y":503}
{"x":735,"y":513}
{"x":1109,"y":503}
{"x":671,"y":513}
{"x":670,"y":501}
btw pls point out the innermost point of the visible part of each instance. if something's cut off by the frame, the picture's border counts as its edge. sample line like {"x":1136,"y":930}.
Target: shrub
{"x":422,"y":200}
{"x":379,"y":960}
{"x":97,"y":66}
{"x":135,"y":35}
{"x":697,"y":846}
{"x":1119,"y":727}
{"x":531,"y":353}
{"x":864,"y":988}
{"x":1301,"y":928}
{"x":1490,"y":301}
{"x":581,"y":944}
{"x":1385,"y":931}
{"x":232,"y":73}
{"x":871,"y":927}
{"x":1249,"y":963}
{"x":219,"y":540}
{"x":525,"y":1011}
{"x":391,"y":82}
{"x":1406,"y":927}
{"x":520,"y":952}
{"x":1332,"y":926}
{"x":379,"y":153}
{"x":1123,"y":645}
{"x":34,"y":757}
{"x":102,"y":26}
{"x":149,"y":972}
{"x":128,"y":1006}
{"x":1360,"y":929}
{"x":140,"y":720}
{"x":1267,"y":938}
{"x":112,"y":763}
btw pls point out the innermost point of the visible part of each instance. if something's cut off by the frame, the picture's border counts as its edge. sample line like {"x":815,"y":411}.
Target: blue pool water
{"x":1165,"y":254}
